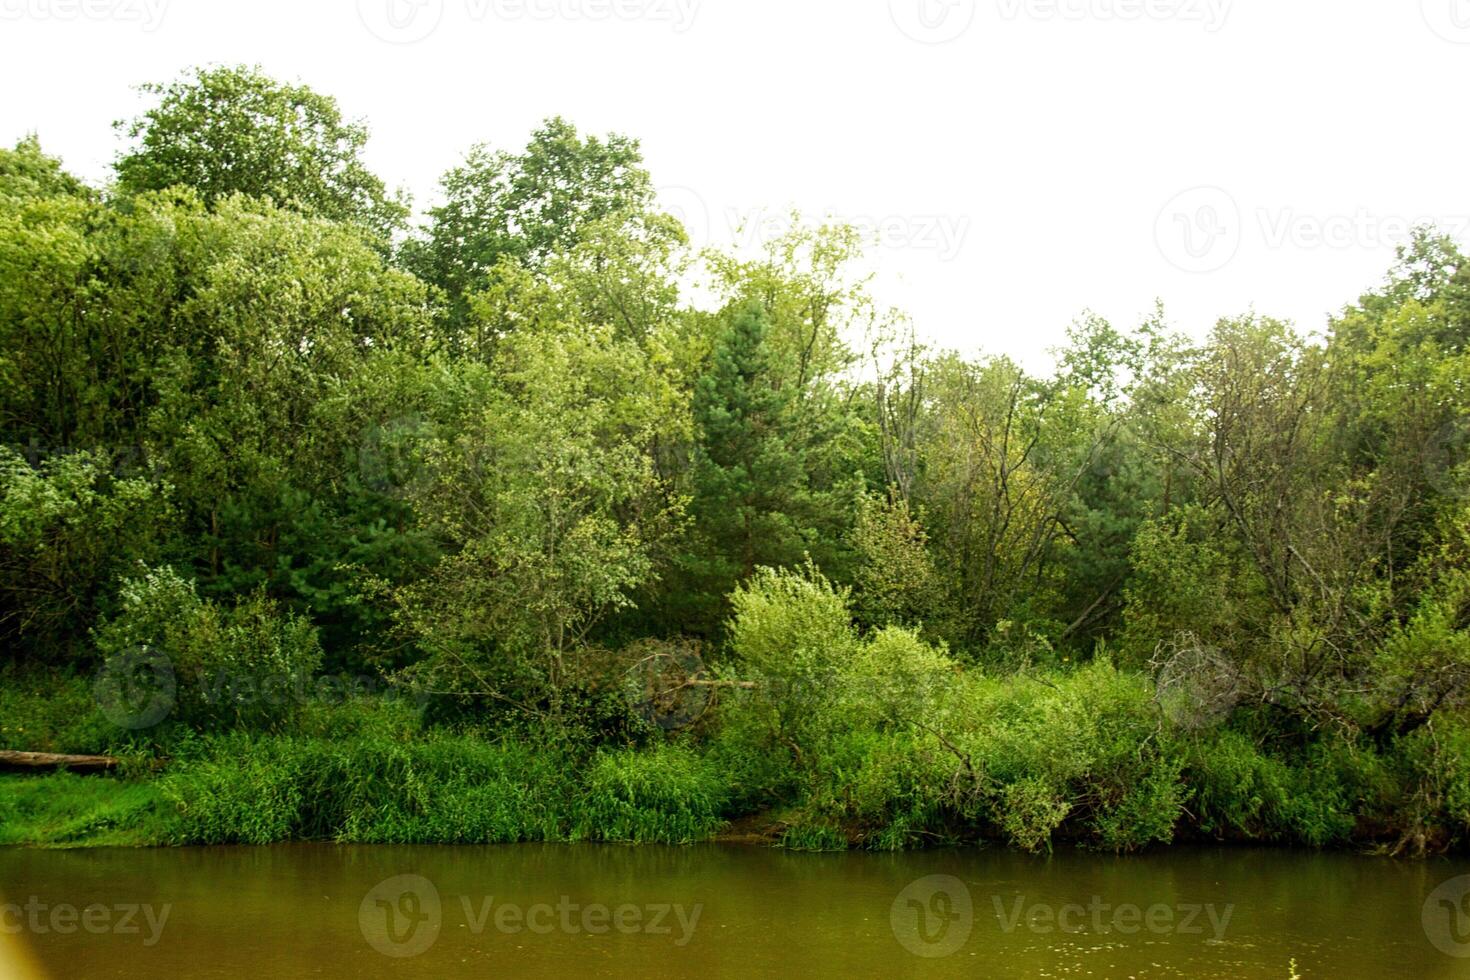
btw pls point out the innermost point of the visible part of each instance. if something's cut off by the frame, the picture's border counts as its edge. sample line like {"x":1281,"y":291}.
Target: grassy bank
{"x":1078,"y":755}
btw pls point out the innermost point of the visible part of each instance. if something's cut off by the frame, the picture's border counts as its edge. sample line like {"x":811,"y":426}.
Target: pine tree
{"x":751,"y":500}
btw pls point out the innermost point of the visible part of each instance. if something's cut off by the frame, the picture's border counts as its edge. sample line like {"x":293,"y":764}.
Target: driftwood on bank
{"x":48,"y":760}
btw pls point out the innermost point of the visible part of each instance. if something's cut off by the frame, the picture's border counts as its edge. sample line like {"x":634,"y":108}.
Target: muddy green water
{"x":728,"y":911}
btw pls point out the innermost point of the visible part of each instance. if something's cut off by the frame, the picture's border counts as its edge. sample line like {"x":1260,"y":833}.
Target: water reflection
{"x":729,"y":911}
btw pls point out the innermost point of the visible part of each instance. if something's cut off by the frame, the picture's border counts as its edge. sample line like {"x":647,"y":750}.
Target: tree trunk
{"x":47,"y":760}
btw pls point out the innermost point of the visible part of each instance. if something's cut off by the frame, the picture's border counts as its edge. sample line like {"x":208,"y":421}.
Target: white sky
{"x":1040,"y":161}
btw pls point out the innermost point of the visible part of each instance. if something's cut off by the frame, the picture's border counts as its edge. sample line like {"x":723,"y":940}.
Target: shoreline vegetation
{"x":527,"y":520}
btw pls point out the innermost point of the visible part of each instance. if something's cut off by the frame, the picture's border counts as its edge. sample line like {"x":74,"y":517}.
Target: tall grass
{"x":666,"y":794}
{"x":439,"y":788}
{"x":67,"y":810}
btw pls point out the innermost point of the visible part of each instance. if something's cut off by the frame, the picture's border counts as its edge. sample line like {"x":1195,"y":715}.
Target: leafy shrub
{"x":793,"y":626}
{"x":1241,"y":791}
{"x":44,"y":712}
{"x":68,"y":527}
{"x":247,"y":666}
{"x":1032,"y":808}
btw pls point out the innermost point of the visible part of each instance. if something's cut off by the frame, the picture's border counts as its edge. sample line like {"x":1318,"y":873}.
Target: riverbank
{"x":1077,"y":756}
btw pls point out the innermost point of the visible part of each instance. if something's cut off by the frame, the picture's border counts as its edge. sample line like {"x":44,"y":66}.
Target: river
{"x":728,"y":911}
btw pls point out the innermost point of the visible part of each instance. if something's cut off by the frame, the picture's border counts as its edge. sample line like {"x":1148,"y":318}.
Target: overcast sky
{"x":1021,"y":160}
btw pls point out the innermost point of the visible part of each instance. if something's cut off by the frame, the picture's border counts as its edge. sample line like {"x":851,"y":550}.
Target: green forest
{"x":518,"y":517}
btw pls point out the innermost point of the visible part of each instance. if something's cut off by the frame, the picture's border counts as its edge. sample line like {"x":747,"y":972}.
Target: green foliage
{"x":550,"y":521}
{"x":233,"y":130}
{"x":1242,"y":792}
{"x":370,"y":789}
{"x":1181,"y":583}
{"x":1031,"y":811}
{"x":752,"y":505}
{"x":66,"y":810}
{"x":68,"y":528}
{"x":667,"y":794}
{"x":803,"y":836}
{"x":26,"y":171}
{"x":245,"y":666}
{"x":512,"y":461}
{"x":792,"y":625}
{"x":41,"y":711}
{"x":525,"y":207}
{"x":896,"y":582}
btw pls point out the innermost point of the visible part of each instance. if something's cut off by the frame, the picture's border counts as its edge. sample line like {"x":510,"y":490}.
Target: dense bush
{"x":249,"y":666}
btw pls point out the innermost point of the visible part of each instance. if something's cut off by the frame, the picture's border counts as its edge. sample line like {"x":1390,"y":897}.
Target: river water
{"x":726,"y":911}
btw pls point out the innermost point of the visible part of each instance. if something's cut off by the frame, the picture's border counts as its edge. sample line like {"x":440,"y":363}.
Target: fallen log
{"x":50,"y":760}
